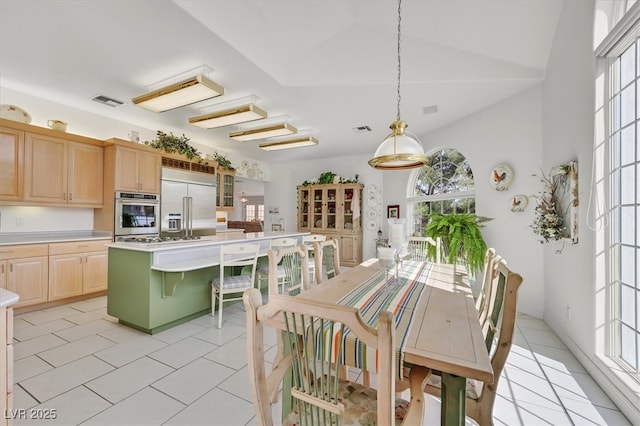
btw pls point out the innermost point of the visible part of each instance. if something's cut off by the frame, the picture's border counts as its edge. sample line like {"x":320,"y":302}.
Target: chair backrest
{"x":327,"y":255}
{"x":424,"y":248}
{"x":501,"y":321}
{"x":245,"y":255}
{"x":294,"y":261}
{"x":314,"y":370}
{"x":484,"y":292}
{"x":308,"y":240}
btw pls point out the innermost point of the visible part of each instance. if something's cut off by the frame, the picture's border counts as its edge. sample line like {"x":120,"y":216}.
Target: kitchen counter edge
{"x":15,"y":238}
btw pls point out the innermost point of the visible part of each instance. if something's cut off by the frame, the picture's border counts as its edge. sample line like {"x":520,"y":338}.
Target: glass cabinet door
{"x":304,"y":209}
{"x":227,"y":194}
{"x":218,"y":188}
{"x":318,"y":210}
{"x":331,"y":207}
{"x":346,"y":218}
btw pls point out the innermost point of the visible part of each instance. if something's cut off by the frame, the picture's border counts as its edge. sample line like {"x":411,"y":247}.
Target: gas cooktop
{"x":155,"y":239}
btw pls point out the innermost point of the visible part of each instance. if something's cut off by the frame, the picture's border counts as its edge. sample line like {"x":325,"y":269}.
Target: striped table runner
{"x":379,"y":294}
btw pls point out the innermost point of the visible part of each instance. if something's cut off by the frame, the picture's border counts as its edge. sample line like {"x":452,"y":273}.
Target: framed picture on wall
{"x":393,"y":211}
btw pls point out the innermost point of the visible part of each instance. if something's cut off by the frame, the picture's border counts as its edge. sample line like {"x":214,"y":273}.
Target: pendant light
{"x":399,"y":150}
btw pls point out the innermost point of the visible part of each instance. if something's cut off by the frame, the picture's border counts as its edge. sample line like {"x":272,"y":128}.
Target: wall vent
{"x":102,"y":99}
{"x":362,"y":129}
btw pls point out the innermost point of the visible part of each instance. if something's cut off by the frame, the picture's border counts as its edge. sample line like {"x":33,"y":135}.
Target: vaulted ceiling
{"x":325,"y":66}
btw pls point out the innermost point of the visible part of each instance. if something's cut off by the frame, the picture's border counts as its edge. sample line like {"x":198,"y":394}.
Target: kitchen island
{"x":156,"y":286}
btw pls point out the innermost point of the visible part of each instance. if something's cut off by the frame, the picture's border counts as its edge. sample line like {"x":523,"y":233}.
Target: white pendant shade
{"x":398,"y":151}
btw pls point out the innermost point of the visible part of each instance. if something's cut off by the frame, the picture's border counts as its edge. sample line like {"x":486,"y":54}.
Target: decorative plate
{"x":372,"y":189}
{"x":372,"y":213}
{"x":12,"y":112}
{"x":519,"y":203}
{"x":371,"y":225}
{"x":319,"y":223}
{"x":501,"y":177}
{"x":372,"y":202}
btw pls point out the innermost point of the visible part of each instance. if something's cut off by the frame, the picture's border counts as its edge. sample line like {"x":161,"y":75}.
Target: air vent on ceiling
{"x":362,"y":129}
{"x":102,"y":99}
{"x":431,"y":109}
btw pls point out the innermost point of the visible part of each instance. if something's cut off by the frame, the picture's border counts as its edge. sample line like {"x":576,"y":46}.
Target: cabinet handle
{"x":64,"y":196}
{"x":70,"y":196}
{"x":10,"y":267}
{"x":2,"y":269}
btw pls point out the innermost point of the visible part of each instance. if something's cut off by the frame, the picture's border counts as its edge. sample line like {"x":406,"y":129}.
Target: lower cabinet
{"x":77,"y":268}
{"x":350,"y":250}
{"x":25,"y":272}
{"x":6,"y":363}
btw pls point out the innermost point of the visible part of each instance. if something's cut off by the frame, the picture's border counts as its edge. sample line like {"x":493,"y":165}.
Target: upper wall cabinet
{"x":137,"y":170}
{"x":58,"y":171}
{"x":11,"y":164}
{"x":225,"y":180}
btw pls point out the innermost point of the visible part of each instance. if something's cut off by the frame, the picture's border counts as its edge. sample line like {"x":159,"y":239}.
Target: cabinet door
{"x":11,"y":164}
{"x":45,"y":169}
{"x":304,"y":209}
{"x":330,"y":207}
{"x":349,"y":249}
{"x":65,"y":276}
{"x":149,"y":172}
{"x":4,"y":272}
{"x":317,"y":200}
{"x":228,"y":181}
{"x":29,"y":279}
{"x":94,"y":273}
{"x":86,"y":164}
{"x":126,"y":174}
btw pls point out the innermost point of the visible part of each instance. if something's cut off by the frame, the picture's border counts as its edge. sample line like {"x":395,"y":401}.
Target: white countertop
{"x":51,"y":237}
{"x":7,"y":298}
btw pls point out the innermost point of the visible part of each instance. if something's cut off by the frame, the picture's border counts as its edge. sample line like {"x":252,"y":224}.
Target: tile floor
{"x":78,"y":361}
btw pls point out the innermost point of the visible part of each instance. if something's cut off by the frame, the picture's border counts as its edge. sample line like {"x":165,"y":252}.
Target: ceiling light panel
{"x":226,"y":117}
{"x":282,"y":129}
{"x":292,"y":143}
{"x":175,"y":95}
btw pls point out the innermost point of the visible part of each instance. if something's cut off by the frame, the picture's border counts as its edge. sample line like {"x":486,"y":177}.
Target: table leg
{"x":453,"y":400}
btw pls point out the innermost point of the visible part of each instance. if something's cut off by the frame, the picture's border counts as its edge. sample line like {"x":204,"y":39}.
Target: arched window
{"x":443,"y":185}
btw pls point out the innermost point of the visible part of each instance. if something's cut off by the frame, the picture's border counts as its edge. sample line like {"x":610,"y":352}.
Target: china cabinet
{"x":329,"y":209}
{"x":11,"y":164}
{"x":225,"y":180}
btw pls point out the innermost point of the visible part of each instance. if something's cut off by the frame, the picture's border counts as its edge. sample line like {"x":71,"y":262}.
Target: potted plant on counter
{"x":461,"y":238}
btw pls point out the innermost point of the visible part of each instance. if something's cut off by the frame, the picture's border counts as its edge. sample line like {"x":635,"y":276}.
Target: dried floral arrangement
{"x":548,"y":222}
{"x":330,"y":177}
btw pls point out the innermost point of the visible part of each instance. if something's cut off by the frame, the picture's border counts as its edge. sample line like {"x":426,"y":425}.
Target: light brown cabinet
{"x":26,"y":272}
{"x":136,"y":171}
{"x":77,"y":268}
{"x":6,"y":364}
{"x":225,"y":181}
{"x":328,"y":209}
{"x":62,"y":172}
{"x":11,"y":164}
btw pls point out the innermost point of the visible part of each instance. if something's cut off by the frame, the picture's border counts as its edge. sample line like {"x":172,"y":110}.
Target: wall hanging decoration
{"x":556,"y":214}
{"x":501,"y":177}
{"x":519,"y":203}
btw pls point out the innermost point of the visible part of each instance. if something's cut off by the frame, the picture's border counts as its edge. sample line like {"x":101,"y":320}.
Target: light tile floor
{"x":78,"y":361}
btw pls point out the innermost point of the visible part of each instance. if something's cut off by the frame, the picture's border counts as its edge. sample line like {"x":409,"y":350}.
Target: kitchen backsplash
{"x":44,"y":219}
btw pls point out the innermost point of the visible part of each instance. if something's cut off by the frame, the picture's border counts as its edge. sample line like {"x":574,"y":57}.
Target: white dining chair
{"x":309,"y":240}
{"x":424,"y":248}
{"x":234,"y":256}
{"x":263,"y":263}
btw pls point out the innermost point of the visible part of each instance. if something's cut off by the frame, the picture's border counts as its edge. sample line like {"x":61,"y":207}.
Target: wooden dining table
{"x":443,"y":332}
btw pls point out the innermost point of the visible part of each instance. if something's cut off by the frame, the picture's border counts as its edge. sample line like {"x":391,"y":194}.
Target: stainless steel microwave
{"x":136,"y":213}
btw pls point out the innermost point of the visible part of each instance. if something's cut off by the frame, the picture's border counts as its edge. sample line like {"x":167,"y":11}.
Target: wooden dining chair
{"x":263,"y":263}
{"x":485,"y":291}
{"x":309,"y":241}
{"x":424,"y":248}
{"x":288,"y":270}
{"x":480,"y":397}
{"x":233,"y":256}
{"x":319,"y":395}
{"x":327,"y":259}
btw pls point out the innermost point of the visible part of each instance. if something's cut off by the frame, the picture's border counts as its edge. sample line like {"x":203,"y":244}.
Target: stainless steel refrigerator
{"x":187,"y":204}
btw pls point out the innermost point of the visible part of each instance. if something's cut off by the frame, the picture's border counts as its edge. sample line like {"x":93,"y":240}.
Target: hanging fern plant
{"x":461,"y":238}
